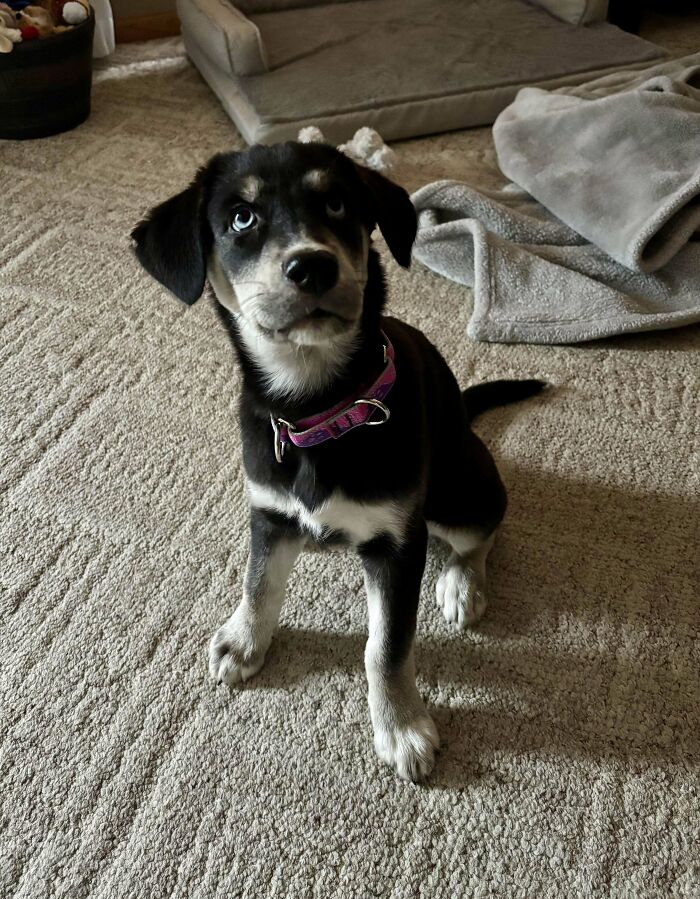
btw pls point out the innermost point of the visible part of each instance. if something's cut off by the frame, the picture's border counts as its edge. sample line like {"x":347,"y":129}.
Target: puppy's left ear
{"x":174,"y":241}
{"x":393,"y":212}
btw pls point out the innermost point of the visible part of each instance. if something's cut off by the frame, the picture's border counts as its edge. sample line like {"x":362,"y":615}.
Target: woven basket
{"x":45,"y":84}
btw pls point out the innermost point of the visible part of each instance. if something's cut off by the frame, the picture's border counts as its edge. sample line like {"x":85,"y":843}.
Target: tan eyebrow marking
{"x":316,"y":179}
{"x":250,"y":188}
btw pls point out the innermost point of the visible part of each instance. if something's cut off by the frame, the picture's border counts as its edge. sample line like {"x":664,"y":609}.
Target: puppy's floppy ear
{"x":393,"y":212}
{"x":174,"y":241}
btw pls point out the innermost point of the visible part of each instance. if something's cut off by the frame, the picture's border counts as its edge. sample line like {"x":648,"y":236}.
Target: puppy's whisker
{"x":304,"y":359}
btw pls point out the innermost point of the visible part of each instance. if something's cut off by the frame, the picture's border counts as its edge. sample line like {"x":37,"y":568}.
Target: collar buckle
{"x":345,"y":416}
{"x":280,"y":430}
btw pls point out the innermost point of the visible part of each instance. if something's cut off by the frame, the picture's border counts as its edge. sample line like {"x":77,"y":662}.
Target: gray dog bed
{"x":404,"y":67}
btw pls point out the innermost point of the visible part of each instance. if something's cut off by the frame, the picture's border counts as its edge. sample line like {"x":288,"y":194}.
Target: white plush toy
{"x":366,"y":147}
{"x":75,"y":12}
{"x":8,"y":38}
{"x":69,"y":12}
{"x":9,"y":35}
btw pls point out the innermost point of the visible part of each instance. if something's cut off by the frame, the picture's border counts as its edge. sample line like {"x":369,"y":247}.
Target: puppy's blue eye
{"x":335,"y":207}
{"x":243,"y":219}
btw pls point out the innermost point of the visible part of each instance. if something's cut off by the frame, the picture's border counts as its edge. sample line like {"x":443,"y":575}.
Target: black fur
{"x":480,"y":397}
{"x":173,"y":243}
{"x":425,"y":456}
{"x":426,"y":446}
{"x":398,"y":571}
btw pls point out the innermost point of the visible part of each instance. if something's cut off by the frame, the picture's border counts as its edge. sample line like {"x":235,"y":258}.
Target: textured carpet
{"x":570,"y":718}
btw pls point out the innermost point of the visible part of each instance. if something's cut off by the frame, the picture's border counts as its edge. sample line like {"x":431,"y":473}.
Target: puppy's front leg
{"x":237,"y":650}
{"x":405,"y":736}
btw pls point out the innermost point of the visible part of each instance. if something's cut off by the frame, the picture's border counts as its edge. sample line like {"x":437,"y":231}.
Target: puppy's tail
{"x":480,"y":397}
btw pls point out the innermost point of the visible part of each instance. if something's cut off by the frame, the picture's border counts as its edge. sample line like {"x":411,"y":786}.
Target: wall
{"x":141,"y":7}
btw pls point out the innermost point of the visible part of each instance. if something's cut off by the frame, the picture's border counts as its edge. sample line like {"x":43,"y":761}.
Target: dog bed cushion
{"x":578,"y":12}
{"x":257,"y":6}
{"x":233,"y":42}
{"x":404,"y":67}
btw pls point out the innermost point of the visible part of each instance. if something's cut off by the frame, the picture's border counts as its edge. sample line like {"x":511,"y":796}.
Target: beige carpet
{"x":570,"y":719}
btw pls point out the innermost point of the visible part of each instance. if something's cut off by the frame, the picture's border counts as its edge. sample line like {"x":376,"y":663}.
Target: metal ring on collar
{"x":378,"y":405}
{"x":288,"y":425}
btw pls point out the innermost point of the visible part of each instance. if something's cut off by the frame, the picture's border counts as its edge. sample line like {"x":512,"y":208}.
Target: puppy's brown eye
{"x":335,"y":206}
{"x":243,"y":219}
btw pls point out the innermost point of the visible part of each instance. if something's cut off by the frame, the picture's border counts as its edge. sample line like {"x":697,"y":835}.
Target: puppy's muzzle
{"x":314,"y":272}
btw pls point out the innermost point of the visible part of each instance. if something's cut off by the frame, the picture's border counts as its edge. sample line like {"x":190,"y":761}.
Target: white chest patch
{"x":359,"y":522}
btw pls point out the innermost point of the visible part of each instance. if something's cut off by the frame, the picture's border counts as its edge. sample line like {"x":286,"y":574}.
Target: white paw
{"x":236,"y":651}
{"x":460,"y":595}
{"x":408,"y":748}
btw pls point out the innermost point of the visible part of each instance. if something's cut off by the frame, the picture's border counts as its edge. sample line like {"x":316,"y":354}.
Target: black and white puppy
{"x":283,"y":235}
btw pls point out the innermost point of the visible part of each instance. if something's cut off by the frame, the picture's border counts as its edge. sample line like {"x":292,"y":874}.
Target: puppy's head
{"x":283,"y":234}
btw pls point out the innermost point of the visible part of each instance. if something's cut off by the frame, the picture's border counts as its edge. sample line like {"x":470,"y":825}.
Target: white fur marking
{"x":460,"y":593}
{"x":461,"y":587}
{"x":316,"y":179}
{"x":238,"y":648}
{"x":405,"y":736}
{"x":250,"y":188}
{"x":294,"y":370}
{"x":462,"y":540}
{"x":360,"y":522}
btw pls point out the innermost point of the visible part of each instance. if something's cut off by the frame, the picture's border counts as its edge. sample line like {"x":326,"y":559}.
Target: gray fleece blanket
{"x":599,"y":233}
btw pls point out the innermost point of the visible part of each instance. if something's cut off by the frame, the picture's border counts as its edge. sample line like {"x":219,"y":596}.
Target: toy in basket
{"x":45,"y":66}
{"x":23,"y":20}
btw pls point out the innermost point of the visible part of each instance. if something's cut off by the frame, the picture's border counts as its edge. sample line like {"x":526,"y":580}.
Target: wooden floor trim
{"x":146,"y":28}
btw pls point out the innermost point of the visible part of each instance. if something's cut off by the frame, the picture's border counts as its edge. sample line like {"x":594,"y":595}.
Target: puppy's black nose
{"x":313,"y":272}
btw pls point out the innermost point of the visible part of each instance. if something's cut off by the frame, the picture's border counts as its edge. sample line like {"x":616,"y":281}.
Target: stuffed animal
{"x":22,"y":20}
{"x":8,"y":17}
{"x":70,"y":12}
{"x":9,"y":33}
{"x":36,"y":18}
{"x":8,"y":38}
{"x":366,"y":147}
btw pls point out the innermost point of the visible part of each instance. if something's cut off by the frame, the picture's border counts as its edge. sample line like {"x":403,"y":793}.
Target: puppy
{"x":354,"y":429}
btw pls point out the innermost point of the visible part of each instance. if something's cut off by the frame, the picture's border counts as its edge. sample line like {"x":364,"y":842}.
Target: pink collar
{"x":352,"y":412}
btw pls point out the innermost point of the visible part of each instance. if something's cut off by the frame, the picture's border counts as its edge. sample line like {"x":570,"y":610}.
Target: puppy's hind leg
{"x":237,"y":650}
{"x":461,"y":587}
